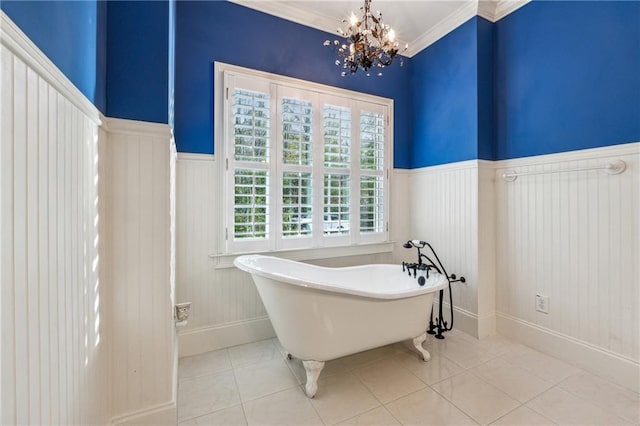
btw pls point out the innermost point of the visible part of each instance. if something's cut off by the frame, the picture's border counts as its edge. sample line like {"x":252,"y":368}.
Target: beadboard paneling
{"x":444,"y":212}
{"x":139,"y":220}
{"x":218,"y":296}
{"x":574,"y":237}
{"x":54,"y":343}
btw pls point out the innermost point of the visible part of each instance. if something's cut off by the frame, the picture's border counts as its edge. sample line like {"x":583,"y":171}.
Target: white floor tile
{"x":479,"y":400}
{"x":279,"y":347}
{"x":377,"y":417}
{"x":565,"y":408}
{"x":523,"y":416}
{"x":340,"y":397}
{"x":255,"y":384}
{"x":289,"y":407}
{"x":514,"y":381}
{"x":205,"y":394}
{"x":426,"y":407}
{"x":361,"y":359}
{"x":497,"y":344}
{"x":257,"y":380}
{"x":432,"y":371}
{"x":388,"y":380}
{"x":233,"y":416}
{"x":623,"y":402}
{"x":464,"y":353}
{"x":252,"y":353}
{"x":544,"y":366}
{"x":206,"y":363}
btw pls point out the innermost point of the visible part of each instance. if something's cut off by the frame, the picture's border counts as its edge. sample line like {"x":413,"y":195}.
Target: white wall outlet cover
{"x":542,"y":303}
{"x":183,"y":310}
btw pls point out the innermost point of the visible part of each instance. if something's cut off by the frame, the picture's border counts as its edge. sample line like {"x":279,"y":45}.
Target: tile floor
{"x":468,"y":381}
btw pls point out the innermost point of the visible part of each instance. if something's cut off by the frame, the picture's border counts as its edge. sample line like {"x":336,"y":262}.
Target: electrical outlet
{"x":542,"y":303}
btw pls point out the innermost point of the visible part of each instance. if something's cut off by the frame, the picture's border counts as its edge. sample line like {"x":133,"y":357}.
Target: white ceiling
{"x":416,"y":22}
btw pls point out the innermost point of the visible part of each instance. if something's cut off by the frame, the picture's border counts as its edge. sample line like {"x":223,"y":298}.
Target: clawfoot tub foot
{"x":313,"y":369}
{"x":417,"y":342}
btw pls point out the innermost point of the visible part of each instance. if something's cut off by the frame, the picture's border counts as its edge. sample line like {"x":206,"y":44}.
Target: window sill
{"x":226,"y":260}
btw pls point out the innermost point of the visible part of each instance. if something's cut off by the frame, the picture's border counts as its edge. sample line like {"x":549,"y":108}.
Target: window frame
{"x":357,"y":102}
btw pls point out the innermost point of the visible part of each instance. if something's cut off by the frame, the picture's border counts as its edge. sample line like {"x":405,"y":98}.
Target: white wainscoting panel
{"x":219,"y":297}
{"x":574,"y":237}
{"x":55,"y":367}
{"x":444,"y":212}
{"x":138,"y":212}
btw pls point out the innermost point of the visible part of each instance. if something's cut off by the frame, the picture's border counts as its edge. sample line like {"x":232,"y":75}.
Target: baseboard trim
{"x":205,"y":339}
{"x":463,"y":320}
{"x":487,"y":325}
{"x":161,"y":414}
{"x":618,"y":369}
{"x":479,"y":326}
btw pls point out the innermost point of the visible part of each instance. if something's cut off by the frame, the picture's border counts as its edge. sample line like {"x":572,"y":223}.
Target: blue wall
{"x":225,"y":32}
{"x":138,"y":60}
{"x":486,"y":118}
{"x":445,"y":99}
{"x":172,"y":61}
{"x":550,"y":77}
{"x":73,"y":35}
{"x":567,"y":77}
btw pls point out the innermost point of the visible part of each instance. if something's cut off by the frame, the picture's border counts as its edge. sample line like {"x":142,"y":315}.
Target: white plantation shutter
{"x":371,"y":204}
{"x":303,"y":167}
{"x":372,"y":179}
{"x":297,"y":131}
{"x":250,"y":164}
{"x":337,"y":204}
{"x":372,"y":141}
{"x":297,"y":109}
{"x":250,"y":207}
{"x":337,"y":136}
{"x":251,"y":113}
{"x":297,"y":204}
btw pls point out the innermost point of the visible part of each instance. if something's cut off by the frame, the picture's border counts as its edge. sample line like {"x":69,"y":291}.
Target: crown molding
{"x":442,"y":28}
{"x":487,"y":10}
{"x":505,"y":7}
{"x":491,"y":10}
{"x":291,"y":13}
{"x":284,"y":10}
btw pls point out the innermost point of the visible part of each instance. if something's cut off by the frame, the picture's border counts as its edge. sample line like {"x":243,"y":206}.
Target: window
{"x":305,"y":165}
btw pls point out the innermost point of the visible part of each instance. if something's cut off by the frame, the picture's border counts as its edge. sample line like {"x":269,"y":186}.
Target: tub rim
{"x":247,"y":263}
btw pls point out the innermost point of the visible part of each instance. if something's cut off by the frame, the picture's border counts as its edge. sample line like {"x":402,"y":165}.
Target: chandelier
{"x":369,"y":43}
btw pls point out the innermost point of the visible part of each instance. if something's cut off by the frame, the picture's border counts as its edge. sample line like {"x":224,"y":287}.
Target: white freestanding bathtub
{"x":320,"y":314}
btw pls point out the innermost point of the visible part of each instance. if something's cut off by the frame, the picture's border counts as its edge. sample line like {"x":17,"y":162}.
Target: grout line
{"x":209,"y":413}
{"x":235,"y":380}
{"x":511,"y":411}
{"x":595,"y":402}
{"x":453,"y":403}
